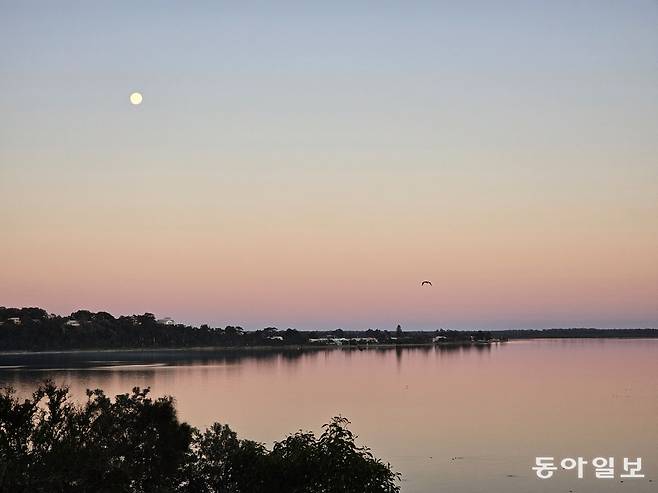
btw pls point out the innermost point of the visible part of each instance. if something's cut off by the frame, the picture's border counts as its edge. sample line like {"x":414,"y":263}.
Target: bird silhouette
{"x":426,"y":282}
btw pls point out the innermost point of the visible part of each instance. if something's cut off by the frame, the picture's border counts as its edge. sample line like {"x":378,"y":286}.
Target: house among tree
{"x":166,"y":321}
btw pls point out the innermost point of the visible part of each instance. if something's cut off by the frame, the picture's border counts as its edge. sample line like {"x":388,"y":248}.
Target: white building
{"x":339,"y":341}
{"x":166,"y":321}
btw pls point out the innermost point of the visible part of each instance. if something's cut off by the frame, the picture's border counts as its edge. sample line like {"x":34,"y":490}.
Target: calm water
{"x":459,"y":420}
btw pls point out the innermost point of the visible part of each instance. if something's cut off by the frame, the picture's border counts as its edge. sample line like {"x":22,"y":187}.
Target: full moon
{"x":136,"y":98}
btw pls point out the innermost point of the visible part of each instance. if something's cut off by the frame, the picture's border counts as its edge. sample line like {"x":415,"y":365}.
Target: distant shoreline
{"x":283,"y":348}
{"x":33,"y":329}
{"x":231,"y":348}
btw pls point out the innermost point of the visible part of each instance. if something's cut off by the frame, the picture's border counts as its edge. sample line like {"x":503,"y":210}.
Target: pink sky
{"x":285,"y":169}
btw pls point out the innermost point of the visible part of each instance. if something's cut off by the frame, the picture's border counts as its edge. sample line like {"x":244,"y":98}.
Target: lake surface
{"x":453,"y":420}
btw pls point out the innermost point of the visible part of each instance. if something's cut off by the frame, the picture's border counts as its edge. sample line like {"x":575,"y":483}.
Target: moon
{"x":136,"y":98}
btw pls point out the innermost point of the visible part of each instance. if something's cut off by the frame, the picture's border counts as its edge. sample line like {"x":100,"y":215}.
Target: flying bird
{"x":425,"y":282}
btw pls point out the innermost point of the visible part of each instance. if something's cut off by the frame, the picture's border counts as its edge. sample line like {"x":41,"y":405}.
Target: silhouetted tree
{"x":136,"y":444}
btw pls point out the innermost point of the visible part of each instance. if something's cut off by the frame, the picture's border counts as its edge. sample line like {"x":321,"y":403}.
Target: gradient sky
{"x":308,"y":165}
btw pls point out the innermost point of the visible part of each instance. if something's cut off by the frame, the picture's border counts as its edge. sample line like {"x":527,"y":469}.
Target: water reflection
{"x":451,"y":418}
{"x":126,"y":360}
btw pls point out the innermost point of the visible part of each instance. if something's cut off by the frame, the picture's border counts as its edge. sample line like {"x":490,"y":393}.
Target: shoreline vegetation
{"x":136,"y":444}
{"x":35,"y":330}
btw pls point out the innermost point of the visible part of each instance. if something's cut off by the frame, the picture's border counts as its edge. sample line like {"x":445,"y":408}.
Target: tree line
{"x":33,"y":329}
{"x":580,"y":333}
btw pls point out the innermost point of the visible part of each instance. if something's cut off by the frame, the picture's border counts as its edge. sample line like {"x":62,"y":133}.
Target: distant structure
{"x":166,"y":321}
{"x":72,"y":323}
{"x":339,"y":341}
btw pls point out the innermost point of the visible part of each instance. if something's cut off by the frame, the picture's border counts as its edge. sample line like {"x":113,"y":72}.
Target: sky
{"x":307,"y":164}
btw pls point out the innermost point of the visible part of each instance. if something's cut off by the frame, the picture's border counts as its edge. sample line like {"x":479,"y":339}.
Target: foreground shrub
{"x":136,"y":444}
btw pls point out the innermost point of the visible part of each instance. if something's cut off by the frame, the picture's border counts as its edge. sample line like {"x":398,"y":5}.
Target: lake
{"x":450,"y":419}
